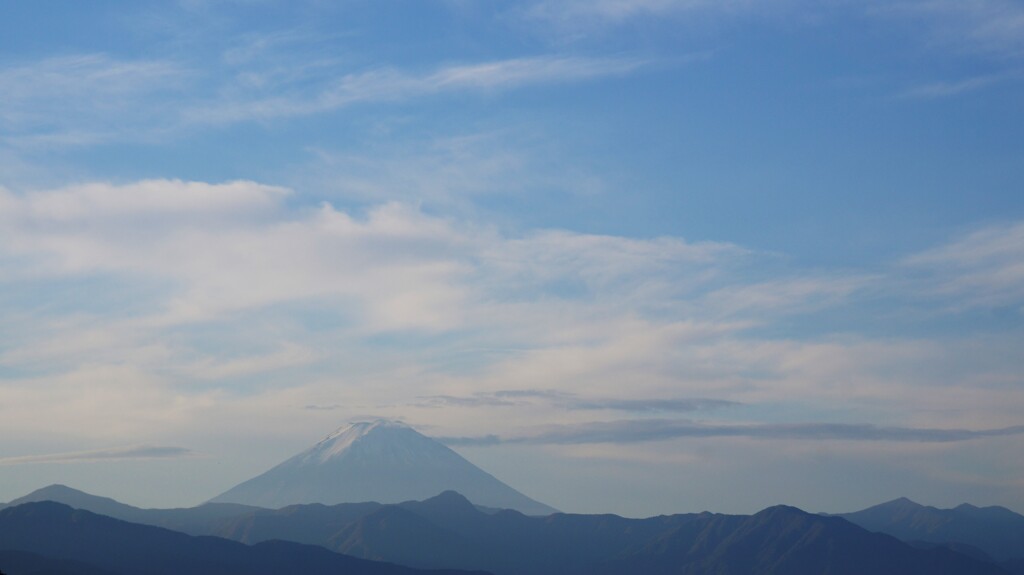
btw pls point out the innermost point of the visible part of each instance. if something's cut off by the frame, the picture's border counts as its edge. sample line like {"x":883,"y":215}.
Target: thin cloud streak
{"x":100,"y":455}
{"x":579,"y":16}
{"x":571,"y":401}
{"x":652,"y":405}
{"x":644,"y":430}
{"x":393,"y":85}
{"x":982,"y":268}
{"x":86,"y":82}
{"x":90,"y":98}
{"x":951,"y":89}
{"x":986,"y":27}
{"x":983,"y":26}
{"x":87,"y":99}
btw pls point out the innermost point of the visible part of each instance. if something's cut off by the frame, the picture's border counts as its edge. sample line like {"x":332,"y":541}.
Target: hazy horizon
{"x":628,"y":256}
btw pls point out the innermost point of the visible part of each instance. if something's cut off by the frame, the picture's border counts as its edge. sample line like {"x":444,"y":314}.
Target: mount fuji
{"x":383,"y":461}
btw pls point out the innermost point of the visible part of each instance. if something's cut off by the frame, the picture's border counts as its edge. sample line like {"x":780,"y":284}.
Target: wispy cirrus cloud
{"x":577,"y":16}
{"x":982,"y":26}
{"x":951,"y":89}
{"x":992,"y":28}
{"x":85,"y":82}
{"x":86,"y":98}
{"x":982,"y":268}
{"x":805,"y":293}
{"x":389,"y":84}
{"x":95,"y":98}
{"x":101,"y":455}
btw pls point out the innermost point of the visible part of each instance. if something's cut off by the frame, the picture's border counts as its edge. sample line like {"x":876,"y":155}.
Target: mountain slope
{"x":314,"y":523}
{"x":995,"y":530}
{"x":201,"y":520}
{"x":59,"y":532}
{"x":382,"y":461}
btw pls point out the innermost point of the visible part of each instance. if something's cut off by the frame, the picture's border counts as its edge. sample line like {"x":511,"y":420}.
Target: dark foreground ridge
{"x":57,"y":538}
{"x":449,"y":532}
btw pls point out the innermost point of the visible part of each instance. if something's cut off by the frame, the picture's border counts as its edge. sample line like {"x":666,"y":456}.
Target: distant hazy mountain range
{"x":384,"y":461}
{"x":995,"y":531}
{"x":379,"y":498}
{"x":449,"y":532}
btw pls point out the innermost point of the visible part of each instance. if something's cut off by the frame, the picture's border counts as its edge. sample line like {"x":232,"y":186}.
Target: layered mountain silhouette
{"x":995,"y":531}
{"x":382,"y":461}
{"x":450,"y":532}
{"x":377,"y":495}
{"x":52,"y":537}
{"x":199,"y":520}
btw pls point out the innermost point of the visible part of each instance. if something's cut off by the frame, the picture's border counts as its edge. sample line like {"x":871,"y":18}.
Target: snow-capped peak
{"x":361,"y":428}
{"x":345,"y":437}
{"x":380,"y":460}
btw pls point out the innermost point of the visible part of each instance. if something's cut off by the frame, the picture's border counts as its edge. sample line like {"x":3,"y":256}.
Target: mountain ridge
{"x":59,"y":532}
{"x":997,"y":531}
{"x":448,"y":531}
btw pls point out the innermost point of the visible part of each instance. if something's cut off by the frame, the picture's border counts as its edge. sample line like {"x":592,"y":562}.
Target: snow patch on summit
{"x":344,"y":438}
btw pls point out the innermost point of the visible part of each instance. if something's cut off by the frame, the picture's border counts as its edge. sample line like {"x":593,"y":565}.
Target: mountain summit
{"x":383,"y":461}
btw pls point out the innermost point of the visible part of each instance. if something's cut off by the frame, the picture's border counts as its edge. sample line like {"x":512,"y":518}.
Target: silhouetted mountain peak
{"x":449,"y":506}
{"x":781,"y":509}
{"x":55,"y":492}
{"x":996,"y":530}
{"x":78,"y":500}
{"x":451,"y":500}
{"x":900,"y":503}
{"x":900,"y":507}
{"x":56,"y":488}
{"x":777,"y":512}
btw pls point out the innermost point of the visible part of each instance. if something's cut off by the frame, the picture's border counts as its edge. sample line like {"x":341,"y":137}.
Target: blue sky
{"x":637,"y":256}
